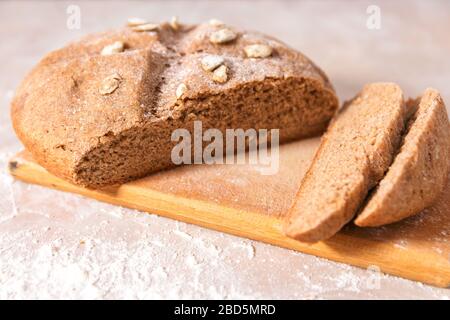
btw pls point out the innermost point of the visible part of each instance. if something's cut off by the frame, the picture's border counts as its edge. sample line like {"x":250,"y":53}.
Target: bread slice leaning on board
{"x":101,"y":110}
{"x":353,"y":156}
{"x":375,"y":140}
{"x":419,"y":172}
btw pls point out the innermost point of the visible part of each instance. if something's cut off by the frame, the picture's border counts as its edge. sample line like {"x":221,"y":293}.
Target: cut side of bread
{"x":419,"y":172}
{"x":356,"y":151}
{"x":98,"y":119}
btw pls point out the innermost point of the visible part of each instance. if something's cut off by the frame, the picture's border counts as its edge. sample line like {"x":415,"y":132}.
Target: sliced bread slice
{"x":419,"y":172}
{"x":354,"y":155}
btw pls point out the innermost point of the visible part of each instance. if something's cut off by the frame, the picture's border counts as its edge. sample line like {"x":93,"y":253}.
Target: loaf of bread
{"x":353,"y":156}
{"x":419,"y":172}
{"x":101,"y":110}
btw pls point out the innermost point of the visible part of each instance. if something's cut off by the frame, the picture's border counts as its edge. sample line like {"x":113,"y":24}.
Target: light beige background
{"x":56,"y":245}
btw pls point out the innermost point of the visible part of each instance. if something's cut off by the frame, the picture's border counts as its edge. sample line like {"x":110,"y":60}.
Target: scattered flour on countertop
{"x":183,"y":234}
{"x":79,"y":248}
{"x":247,"y":246}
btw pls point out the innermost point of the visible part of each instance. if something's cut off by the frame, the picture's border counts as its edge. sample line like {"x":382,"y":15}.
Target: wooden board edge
{"x":343,"y":248}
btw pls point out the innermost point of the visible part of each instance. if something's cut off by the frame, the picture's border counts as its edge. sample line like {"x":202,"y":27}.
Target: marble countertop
{"x":59,"y":245}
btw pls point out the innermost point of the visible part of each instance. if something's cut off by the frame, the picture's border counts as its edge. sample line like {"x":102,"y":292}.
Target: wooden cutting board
{"x":239,"y":200}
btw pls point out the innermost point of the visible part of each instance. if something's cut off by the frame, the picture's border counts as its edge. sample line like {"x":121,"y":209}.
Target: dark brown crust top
{"x":59,"y":114}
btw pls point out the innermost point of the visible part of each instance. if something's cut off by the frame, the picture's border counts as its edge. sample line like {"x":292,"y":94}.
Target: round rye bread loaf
{"x":101,"y":110}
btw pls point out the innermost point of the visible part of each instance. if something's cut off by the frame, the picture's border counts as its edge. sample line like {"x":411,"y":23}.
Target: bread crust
{"x":74,"y":131}
{"x":419,"y":172}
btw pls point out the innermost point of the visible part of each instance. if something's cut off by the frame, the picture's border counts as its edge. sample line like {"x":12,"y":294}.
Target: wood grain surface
{"x":239,"y":200}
